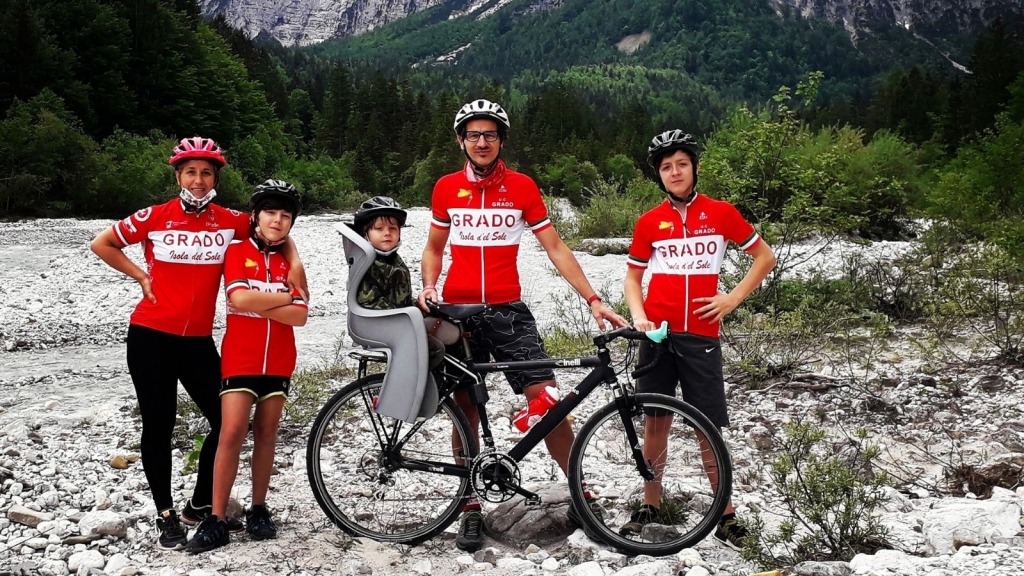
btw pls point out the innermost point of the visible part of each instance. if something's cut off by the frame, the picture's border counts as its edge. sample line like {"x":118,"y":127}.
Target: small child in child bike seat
{"x":388,"y":283}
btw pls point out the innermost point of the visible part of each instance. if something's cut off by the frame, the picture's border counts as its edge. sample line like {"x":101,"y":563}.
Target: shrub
{"x":612,"y":213}
{"x":829,"y":505}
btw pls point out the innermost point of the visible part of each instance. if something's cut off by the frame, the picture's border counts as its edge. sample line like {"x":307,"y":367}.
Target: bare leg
{"x":655,"y":451}
{"x":472,"y":415}
{"x":711,"y":467}
{"x":264,"y":433}
{"x":235,"y":407}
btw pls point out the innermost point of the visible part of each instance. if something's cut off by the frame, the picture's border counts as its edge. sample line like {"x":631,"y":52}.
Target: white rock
{"x":103,"y":522}
{"x":465,"y":560}
{"x":969,"y":522}
{"x":883,"y":560}
{"x":86,"y":559}
{"x":698,"y":571}
{"x":585,"y":569}
{"x":116,"y":563}
{"x":549,"y":565}
{"x":422,"y":567}
{"x":612,"y":559}
{"x":482,"y":566}
{"x":688,"y":557}
{"x":656,"y":568}
{"x":51,"y":405}
{"x":37,"y":543}
{"x":515,"y":564}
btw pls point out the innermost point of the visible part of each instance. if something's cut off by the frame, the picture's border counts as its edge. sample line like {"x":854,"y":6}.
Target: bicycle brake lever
{"x":658,"y":335}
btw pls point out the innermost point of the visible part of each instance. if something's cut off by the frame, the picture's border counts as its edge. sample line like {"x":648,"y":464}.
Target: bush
{"x":830,"y":505}
{"x":612,"y":213}
{"x":325,"y":183}
{"x":136,"y":173}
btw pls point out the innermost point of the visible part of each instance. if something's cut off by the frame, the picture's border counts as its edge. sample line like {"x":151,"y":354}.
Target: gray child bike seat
{"x":409,"y":391}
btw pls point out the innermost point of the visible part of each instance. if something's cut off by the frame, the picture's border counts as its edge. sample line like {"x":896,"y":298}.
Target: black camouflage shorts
{"x":507,"y":332}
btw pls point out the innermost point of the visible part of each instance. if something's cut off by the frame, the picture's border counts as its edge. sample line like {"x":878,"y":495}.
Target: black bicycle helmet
{"x":376,"y":207}
{"x":666,"y":143}
{"x":279,"y":190}
{"x":670,"y":141}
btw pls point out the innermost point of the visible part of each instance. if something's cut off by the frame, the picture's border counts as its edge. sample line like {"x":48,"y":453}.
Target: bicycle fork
{"x":626,"y":403}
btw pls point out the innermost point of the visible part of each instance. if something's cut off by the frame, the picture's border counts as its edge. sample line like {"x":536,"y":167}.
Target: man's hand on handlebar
{"x":428,"y":293}
{"x":644,"y":325}
{"x":602,"y":312}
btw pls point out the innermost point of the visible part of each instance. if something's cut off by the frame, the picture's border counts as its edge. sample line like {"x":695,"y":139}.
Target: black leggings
{"x":157,"y":361}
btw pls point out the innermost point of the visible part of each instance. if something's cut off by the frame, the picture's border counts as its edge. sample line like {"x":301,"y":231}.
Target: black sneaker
{"x":643,"y":516}
{"x":574,"y":517}
{"x":192,"y":516}
{"x":212,"y":533}
{"x":731,"y":532}
{"x":471,"y":531}
{"x":172,"y":535}
{"x":258,"y":523}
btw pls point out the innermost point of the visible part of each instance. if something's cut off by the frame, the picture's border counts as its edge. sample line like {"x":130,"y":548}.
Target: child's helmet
{"x":376,"y":207}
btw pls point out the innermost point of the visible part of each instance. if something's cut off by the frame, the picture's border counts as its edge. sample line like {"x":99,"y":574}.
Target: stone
{"x":72,"y":540}
{"x":102,"y":500}
{"x":612,"y":559}
{"x":952,"y":523}
{"x":116,"y":563}
{"x":891,"y":560}
{"x":86,"y":559}
{"x":585,"y":569}
{"x":27,"y":516}
{"x":698,"y":571}
{"x":51,"y":405}
{"x":489,"y":555}
{"x":119,"y":462}
{"x":688,"y":557}
{"x":549,"y":565}
{"x":823,"y":569}
{"x":422,"y":567}
{"x":36,"y":543}
{"x":517,"y":565}
{"x":656,"y":568}
{"x":520,"y":524}
{"x":103,"y":522}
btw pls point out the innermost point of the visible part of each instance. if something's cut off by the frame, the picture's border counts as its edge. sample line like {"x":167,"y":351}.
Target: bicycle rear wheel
{"x":690,"y":505}
{"x":350,"y":461}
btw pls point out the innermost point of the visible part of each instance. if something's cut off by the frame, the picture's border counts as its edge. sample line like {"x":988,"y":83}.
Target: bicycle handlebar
{"x":656,"y":336}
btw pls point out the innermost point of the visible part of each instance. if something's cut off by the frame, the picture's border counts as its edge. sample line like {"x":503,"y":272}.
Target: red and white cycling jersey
{"x":485,"y":220}
{"x":685,"y":259}
{"x":254,"y":345}
{"x":184,"y":254}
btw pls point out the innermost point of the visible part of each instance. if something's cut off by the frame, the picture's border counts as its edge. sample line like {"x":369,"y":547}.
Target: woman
{"x":170,"y":332}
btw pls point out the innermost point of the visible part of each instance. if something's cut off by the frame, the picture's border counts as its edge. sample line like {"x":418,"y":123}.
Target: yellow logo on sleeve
{"x":664,"y":225}
{"x":463,"y":193}
{"x":250,"y":263}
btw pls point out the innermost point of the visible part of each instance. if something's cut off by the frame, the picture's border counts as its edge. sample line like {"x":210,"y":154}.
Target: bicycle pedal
{"x":532,"y":500}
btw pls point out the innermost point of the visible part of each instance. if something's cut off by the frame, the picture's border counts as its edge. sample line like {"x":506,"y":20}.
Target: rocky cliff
{"x":304,"y":22}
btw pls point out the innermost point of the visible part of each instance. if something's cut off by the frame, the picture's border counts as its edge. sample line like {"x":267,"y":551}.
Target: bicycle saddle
{"x":461,"y":311}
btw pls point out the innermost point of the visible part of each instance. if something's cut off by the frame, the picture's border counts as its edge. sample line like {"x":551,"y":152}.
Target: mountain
{"x":306,"y":22}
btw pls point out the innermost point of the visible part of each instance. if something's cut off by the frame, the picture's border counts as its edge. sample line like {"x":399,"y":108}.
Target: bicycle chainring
{"x":495,"y":476}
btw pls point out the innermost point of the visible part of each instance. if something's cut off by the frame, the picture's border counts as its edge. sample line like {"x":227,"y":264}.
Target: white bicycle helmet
{"x":480,"y":109}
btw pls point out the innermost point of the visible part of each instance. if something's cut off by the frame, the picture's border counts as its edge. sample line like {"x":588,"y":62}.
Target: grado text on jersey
{"x":486,"y":227}
{"x":688,"y":256}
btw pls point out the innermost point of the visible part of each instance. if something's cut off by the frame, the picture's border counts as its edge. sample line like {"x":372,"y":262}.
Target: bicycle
{"x":406,"y":482}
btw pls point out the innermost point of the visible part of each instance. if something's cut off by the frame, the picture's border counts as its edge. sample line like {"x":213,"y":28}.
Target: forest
{"x":90,"y":113}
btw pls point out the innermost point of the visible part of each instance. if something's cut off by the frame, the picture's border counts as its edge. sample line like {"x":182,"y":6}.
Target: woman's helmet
{"x":376,"y":207}
{"x":481,"y":109}
{"x":197,"y":148}
{"x":278,"y":190}
{"x":666,"y":143}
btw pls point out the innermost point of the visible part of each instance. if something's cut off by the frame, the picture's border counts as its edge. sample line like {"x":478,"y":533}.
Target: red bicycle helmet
{"x":197,"y":148}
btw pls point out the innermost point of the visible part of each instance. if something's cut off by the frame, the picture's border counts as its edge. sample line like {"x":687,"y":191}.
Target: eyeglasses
{"x":474,"y":136}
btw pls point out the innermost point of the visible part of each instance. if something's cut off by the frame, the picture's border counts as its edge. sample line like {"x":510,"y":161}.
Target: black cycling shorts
{"x":694,"y":363}
{"x":507,"y":332}
{"x":262,"y":387}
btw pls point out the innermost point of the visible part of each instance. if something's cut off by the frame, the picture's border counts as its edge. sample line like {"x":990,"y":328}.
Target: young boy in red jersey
{"x":682,"y":242}
{"x":258,"y":359}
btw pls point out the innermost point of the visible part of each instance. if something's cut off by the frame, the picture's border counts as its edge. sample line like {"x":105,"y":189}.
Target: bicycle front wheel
{"x":680,"y":447}
{"x":356,"y":473}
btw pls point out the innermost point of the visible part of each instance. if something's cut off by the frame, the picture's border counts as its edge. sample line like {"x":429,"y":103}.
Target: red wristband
{"x":596,"y":296}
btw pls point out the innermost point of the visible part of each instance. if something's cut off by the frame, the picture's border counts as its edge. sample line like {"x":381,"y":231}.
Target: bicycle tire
{"x":601,"y":461}
{"x":358,"y":493}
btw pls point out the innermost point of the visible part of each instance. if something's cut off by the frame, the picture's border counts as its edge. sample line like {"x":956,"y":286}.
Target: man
{"x":483,"y":209}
